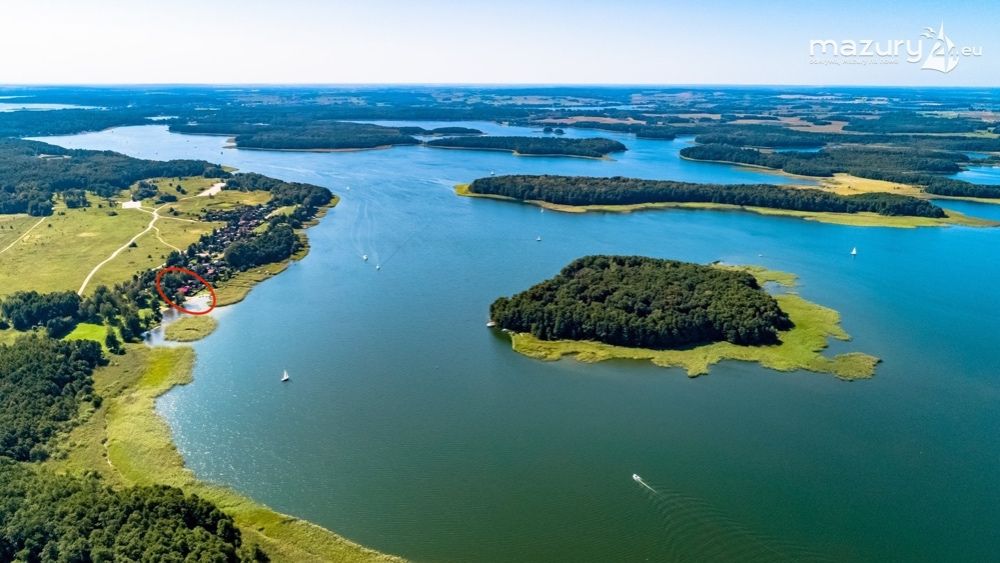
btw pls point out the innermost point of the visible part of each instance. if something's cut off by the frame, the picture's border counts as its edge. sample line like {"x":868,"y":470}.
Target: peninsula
{"x":534,"y":146}
{"x":619,"y":194}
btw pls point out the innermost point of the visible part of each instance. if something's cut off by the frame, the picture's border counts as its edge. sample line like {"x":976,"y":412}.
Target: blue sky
{"x":475,"y":41}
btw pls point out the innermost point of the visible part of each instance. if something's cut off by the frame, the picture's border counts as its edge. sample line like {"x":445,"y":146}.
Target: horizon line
{"x":474,"y":84}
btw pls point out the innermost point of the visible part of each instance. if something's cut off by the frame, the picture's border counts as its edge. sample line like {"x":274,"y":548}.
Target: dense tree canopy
{"x":640,"y":130}
{"x":31,"y":172}
{"x":915,"y":122}
{"x":644,"y":303}
{"x":783,"y":137}
{"x":594,"y":148}
{"x":292,"y":132}
{"x":282,"y":193}
{"x":276,"y":244}
{"x":42,"y":383}
{"x":583,"y":190}
{"x":66,"y":121}
{"x":27,"y":309}
{"x":853,"y":160}
{"x":922,"y":167}
{"x":47,"y":517}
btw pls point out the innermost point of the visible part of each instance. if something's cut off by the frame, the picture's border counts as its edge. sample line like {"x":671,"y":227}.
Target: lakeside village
{"x":251,"y":235}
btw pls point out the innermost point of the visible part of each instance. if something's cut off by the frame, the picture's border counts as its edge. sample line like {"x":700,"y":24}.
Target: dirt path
{"x":150,"y":227}
{"x":216,"y":188}
{"x":24,"y":234}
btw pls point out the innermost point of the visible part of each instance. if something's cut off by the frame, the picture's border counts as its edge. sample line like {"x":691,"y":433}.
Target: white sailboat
{"x":284,"y":376}
{"x":538,"y":239}
{"x":364,"y":257}
{"x":854,"y":251}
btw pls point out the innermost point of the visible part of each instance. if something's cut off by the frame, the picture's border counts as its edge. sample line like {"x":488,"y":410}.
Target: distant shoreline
{"x":849,"y":219}
{"x":231,"y":144}
{"x":515,"y":153}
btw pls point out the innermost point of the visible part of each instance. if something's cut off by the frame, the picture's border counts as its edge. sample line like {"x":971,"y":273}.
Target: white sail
{"x":942,"y":57}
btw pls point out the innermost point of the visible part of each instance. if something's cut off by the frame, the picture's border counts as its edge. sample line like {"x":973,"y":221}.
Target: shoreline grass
{"x":800,"y":348}
{"x":849,"y":219}
{"x":127,"y":442}
{"x":190,"y":328}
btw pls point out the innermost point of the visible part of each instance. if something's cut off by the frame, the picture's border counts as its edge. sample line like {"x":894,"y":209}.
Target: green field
{"x":60,"y":252}
{"x":89,"y":331}
{"x":801,"y":346}
{"x":193,"y":207}
{"x":13,"y":227}
{"x":128,"y":443}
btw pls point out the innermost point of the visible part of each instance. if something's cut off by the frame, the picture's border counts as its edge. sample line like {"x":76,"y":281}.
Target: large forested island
{"x":644,"y":303}
{"x":296,"y":133}
{"x":675,"y":314}
{"x":619,"y":191}
{"x":538,"y":146}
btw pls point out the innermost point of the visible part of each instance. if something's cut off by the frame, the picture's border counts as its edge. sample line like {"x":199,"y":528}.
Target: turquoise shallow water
{"x":989,"y":175}
{"x":410,"y":427}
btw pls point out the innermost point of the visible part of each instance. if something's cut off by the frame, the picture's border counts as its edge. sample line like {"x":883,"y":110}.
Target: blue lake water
{"x":798,"y":149}
{"x":410,"y":427}
{"x":28,"y":106}
{"x":980,"y":175}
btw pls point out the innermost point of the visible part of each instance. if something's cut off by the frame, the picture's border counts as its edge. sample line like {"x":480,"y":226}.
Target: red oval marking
{"x":163,"y":294}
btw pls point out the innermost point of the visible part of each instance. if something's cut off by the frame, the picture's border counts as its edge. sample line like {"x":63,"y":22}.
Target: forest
{"x":773,"y":136}
{"x":49,"y":517}
{"x":644,"y":302}
{"x":920,"y":167}
{"x":640,"y":130}
{"x":277,"y":243}
{"x":67,"y":121}
{"x":332,"y":135}
{"x":59,"y":312}
{"x":914,"y":122}
{"x":851,"y":159}
{"x":282,"y":192}
{"x":584,"y":190}
{"x":24,"y":310}
{"x":592,"y":148}
{"x":276,"y":128}
{"x":32,"y":172}
{"x":43,"y":383}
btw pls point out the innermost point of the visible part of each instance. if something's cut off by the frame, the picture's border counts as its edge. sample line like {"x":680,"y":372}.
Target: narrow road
{"x":24,"y":234}
{"x":216,"y":188}
{"x":149,"y":227}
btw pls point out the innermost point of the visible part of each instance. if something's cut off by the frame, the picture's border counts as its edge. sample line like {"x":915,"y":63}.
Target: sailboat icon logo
{"x":943,"y":56}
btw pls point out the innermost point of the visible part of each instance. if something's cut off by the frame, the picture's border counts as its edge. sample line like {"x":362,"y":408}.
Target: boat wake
{"x":637,"y":479}
{"x":693,"y":530}
{"x":363,"y":234}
